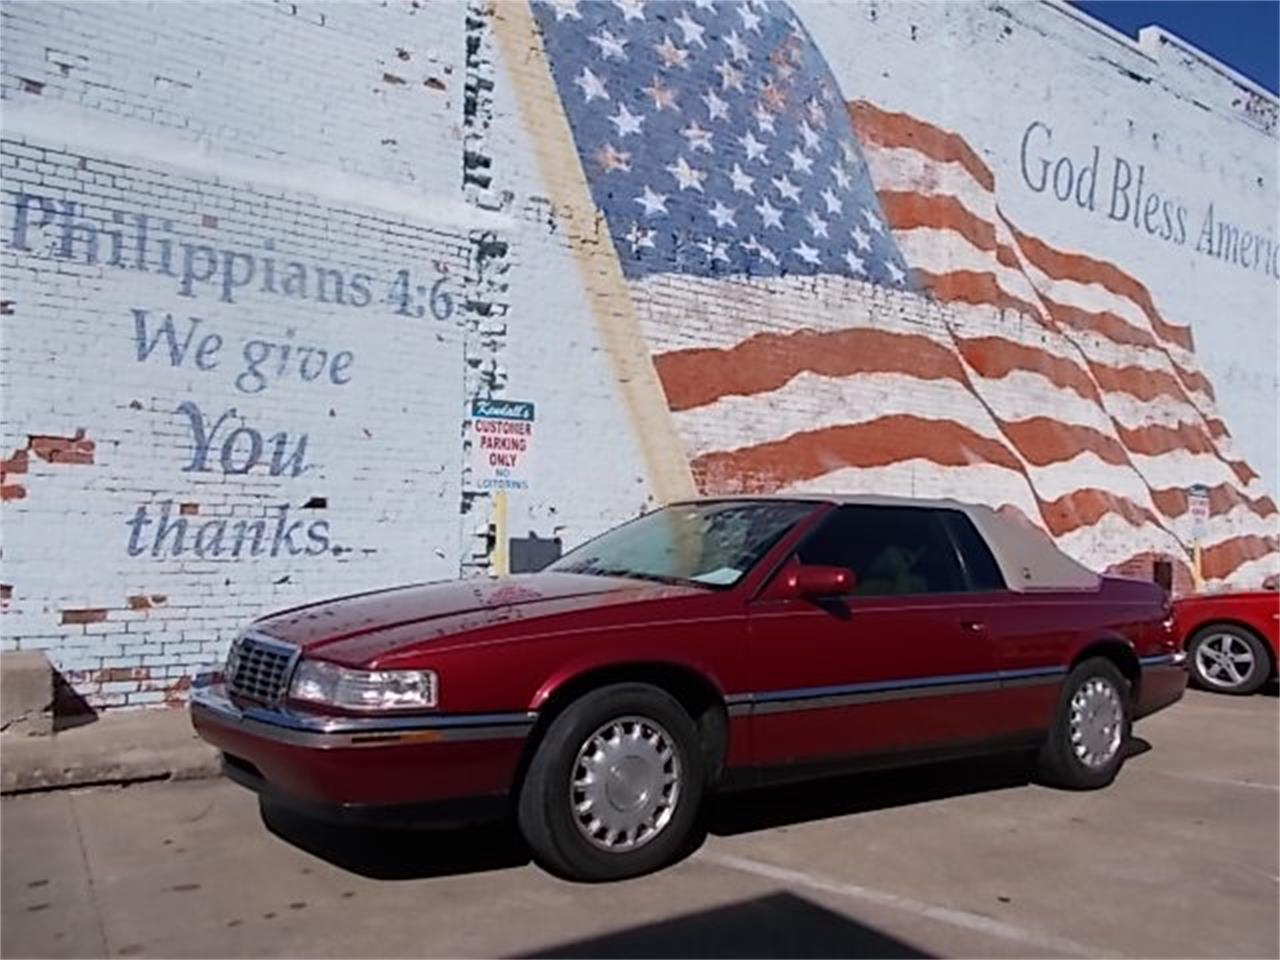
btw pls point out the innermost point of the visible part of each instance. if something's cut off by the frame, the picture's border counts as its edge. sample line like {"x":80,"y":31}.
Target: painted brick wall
{"x":234,"y":265}
{"x":259,"y":258}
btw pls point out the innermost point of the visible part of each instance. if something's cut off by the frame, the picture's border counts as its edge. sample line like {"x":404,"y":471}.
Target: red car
{"x":1231,"y":638}
{"x":707,"y":645}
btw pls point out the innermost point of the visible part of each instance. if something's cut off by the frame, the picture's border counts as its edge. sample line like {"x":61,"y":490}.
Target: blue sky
{"x":1244,"y":34}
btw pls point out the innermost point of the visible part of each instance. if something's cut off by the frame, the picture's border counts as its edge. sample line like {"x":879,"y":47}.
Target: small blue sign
{"x":502,"y":409}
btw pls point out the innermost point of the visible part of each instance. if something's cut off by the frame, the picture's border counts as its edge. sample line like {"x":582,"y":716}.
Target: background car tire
{"x":545,"y":811}
{"x":1060,"y":762}
{"x":1223,"y":639}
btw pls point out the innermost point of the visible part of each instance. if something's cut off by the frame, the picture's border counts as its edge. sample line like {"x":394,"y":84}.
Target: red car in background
{"x":1231,"y":639}
{"x":707,"y":645}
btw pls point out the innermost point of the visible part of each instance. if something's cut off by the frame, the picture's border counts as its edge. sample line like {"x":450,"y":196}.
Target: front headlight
{"x":318,"y":682}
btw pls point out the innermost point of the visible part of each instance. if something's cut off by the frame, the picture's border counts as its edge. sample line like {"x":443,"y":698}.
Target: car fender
{"x":611,"y":668}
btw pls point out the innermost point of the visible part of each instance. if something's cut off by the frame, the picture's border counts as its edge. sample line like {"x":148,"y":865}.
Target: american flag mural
{"x":729,"y":166}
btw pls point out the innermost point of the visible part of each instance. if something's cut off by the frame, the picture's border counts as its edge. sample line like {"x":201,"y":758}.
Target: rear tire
{"x":1228,"y":659}
{"x":614,"y":786}
{"x":1086,"y":744}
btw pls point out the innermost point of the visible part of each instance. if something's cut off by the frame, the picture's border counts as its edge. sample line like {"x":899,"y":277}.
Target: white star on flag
{"x":652,"y":202}
{"x":722,"y":215}
{"x":786,"y":189}
{"x":625,"y":121}
{"x":698,"y":138}
{"x":671,"y":55}
{"x":755,"y":149}
{"x":741,"y":181}
{"x":717,"y":109}
{"x":769,"y":215}
{"x":689,"y":178}
{"x":631,"y":9}
{"x":611,"y":47}
{"x":691,"y":29}
{"x":799,"y":162}
{"x":591,"y":86}
{"x":736,"y":47}
{"x":805,"y":252}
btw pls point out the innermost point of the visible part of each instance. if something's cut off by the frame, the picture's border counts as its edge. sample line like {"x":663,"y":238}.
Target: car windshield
{"x":708,"y":544}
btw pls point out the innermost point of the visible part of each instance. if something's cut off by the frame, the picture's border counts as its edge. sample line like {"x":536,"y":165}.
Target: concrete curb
{"x":123,"y":747}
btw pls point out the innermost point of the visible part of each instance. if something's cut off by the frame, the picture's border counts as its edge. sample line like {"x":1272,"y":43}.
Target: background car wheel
{"x":1228,"y":659}
{"x":614,"y":786}
{"x":1086,"y":743}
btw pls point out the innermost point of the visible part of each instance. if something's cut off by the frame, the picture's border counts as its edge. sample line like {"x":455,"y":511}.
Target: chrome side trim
{"x":881,"y":691}
{"x":874,"y":696}
{"x":1175,"y":659}
{"x":328,"y":732}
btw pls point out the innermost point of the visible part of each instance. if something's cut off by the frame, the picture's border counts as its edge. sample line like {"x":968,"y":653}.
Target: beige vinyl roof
{"x":1027,"y":557}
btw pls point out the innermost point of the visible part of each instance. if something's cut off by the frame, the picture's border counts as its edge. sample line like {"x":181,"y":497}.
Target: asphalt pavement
{"x":1180,"y":857}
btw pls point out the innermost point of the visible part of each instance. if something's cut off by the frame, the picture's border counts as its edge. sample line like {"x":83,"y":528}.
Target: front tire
{"x":1227,"y":659}
{"x":614,"y":786}
{"x":1086,"y":744}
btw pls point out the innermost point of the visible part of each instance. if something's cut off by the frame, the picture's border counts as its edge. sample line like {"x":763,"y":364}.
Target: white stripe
{"x":679,"y":312}
{"x":1112,"y":539}
{"x":1251,"y":573}
{"x":902,"y":169}
{"x":957,"y":918}
{"x":1090,"y":297}
{"x":1132,"y":412}
{"x":810,"y":401}
{"x":1176,"y":468}
{"x":945,"y":251}
{"x":1118,"y":355}
{"x":1055,"y":480}
{"x":1022,"y":395}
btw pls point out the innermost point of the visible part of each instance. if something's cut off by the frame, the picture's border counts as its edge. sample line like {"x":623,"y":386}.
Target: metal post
{"x":499,"y":566}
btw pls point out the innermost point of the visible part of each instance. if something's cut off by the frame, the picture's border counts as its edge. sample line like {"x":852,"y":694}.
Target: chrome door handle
{"x":973,"y":626}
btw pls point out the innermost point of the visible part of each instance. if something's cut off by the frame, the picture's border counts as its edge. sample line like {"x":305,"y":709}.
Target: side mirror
{"x":813,"y":581}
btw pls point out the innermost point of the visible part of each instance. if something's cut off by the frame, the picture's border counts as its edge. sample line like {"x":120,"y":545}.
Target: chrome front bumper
{"x":211,"y":705}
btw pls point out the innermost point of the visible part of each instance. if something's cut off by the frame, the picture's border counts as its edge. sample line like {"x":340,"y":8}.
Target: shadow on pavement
{"x":861,"y":793}
{"x":412,"y":854}
{"x":778,"y":925}
{"x":400,"y":854}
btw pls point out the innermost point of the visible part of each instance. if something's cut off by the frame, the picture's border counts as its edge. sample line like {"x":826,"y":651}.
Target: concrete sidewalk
{"x":119,"y":747}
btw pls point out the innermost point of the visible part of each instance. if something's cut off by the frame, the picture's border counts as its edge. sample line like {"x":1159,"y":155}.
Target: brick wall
{"x":259,"y":258}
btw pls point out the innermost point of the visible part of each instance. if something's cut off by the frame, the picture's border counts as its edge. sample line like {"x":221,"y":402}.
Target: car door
{"x":902,"y":663}
{"x":1029,"y":635}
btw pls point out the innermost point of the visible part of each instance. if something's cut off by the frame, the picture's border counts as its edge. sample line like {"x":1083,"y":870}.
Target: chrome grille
{"x":259,"y":668}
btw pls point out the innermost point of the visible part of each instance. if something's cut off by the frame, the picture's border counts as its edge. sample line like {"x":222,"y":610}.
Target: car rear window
{"x":979,"y":563}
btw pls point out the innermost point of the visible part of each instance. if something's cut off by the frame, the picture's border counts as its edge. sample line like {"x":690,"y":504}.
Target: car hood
{"x":358,"y":628}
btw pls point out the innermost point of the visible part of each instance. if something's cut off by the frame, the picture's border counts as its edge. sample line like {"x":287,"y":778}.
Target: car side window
{"x":979,"y":563}
{"x":891,"y":550}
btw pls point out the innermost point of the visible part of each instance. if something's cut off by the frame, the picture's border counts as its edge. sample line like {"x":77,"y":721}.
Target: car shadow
{"x":842,"y":796}
{"x":416,"y":854}
{"x":387,"y":854}
{"x":775,"y":925}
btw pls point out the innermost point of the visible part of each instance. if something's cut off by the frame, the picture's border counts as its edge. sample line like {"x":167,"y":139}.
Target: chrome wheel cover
{"x":625,"y":784}
{"x":1224,"y":660}
{"x":1096,"y":722}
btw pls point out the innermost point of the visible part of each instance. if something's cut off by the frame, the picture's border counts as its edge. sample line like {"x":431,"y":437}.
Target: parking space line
{"x":1226,"y":781}
{"x":958,"y":918}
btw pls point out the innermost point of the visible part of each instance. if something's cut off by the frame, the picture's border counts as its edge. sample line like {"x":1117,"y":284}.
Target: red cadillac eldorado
{"x":707,"y":645}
